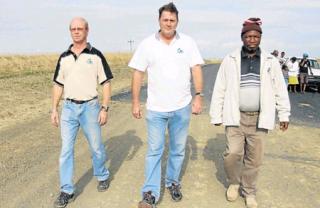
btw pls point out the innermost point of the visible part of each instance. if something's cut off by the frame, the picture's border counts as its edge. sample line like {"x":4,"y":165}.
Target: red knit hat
{"x":252,"y":23}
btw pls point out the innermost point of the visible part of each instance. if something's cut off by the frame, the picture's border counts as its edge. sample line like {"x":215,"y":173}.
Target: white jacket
{"x":224,"y":106}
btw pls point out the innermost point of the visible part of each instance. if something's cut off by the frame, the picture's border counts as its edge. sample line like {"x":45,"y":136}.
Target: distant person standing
{"x":304,"y":66}
{"x":275,"y":53}
{"x":293,"y":67}
{"x":283,"y":63}
{"x":248,"y":90}
{"x":76,"y":76}
{"x":170,"y":58}
{"x":282,"y":59}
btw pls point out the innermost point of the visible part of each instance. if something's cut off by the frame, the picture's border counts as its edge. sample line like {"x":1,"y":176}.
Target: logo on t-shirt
{"x":89,"y":61}
{"x":179,"y":50}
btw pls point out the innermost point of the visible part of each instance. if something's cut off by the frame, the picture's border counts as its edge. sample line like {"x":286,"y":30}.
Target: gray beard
{"x":250,"y":50}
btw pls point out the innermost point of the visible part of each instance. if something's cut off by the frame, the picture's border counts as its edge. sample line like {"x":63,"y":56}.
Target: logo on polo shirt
{"x":89,"y":61}
{"x":179,"y":50}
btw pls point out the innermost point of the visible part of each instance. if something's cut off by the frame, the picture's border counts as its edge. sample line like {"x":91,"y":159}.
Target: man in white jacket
{"x":248,"y":90}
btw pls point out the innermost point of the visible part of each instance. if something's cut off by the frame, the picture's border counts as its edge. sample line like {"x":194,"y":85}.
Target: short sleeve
{"x":196,"y":57}
{"x":58,"y":77}
{"x":104,"y":71}
{"x":139,"y":61}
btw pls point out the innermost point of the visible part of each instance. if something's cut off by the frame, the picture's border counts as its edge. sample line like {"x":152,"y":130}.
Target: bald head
{"x":79,"y":30}
{"x":79,"y":21}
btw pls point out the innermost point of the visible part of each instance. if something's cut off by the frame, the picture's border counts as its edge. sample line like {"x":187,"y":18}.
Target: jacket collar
{"x":236,"y":54}
{"x":264,"y":57}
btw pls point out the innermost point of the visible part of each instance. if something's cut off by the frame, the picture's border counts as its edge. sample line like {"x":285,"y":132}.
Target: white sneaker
{"x":233,"y":192}
{"x":251,"y":202}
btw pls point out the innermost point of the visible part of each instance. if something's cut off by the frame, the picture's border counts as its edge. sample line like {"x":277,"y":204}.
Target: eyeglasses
{"x":74,"y":29}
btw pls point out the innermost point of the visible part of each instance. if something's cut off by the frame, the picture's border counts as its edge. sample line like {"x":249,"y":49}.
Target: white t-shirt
{"x":168,"y":68}
{"x":293,"y":68}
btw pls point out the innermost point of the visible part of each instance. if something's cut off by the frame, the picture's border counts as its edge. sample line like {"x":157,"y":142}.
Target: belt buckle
{"x":79,"y":101}
{"x":253,"y":113}
{"x":75,"y":101}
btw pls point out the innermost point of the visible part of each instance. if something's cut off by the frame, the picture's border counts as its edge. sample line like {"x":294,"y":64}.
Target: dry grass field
{"x":26,"y":82}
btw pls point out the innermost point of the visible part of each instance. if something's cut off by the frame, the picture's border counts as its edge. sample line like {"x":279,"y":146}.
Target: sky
{"x":38,"y":26}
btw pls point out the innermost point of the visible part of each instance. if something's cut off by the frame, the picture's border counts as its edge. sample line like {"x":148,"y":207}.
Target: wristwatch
{"x":199,"y":93}
{"x":105,"y":108}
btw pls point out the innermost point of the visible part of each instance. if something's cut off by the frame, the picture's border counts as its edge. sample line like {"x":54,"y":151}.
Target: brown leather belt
{"x":80,"y":101}
{"x":248,"y":113}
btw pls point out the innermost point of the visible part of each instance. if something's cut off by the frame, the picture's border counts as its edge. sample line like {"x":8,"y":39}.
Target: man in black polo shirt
{"x":249,"y":88}
{"x":77,"y":73}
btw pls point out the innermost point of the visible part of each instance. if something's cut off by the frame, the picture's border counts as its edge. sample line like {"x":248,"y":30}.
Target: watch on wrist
{"x":105,"y":108}
{"x":199,"y":93}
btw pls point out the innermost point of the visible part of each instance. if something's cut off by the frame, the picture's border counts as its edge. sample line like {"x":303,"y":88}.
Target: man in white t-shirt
{"x":167,"y":56}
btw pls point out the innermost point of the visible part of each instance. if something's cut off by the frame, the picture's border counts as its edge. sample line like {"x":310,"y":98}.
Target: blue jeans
{"x":72,"y":117}
{"x":286,"y":80}
{"x":157,"y":123}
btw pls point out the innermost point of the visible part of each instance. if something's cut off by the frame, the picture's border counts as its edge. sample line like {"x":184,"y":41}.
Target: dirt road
{"x":29,"y":154}
{"x":30,"y":147}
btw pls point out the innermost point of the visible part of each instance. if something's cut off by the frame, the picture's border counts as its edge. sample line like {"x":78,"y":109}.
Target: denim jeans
{"x":85,"y":116}
{"x":157,"y":123}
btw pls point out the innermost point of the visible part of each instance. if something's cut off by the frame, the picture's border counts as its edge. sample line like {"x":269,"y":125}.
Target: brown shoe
{"x":148,"y":201}
{"x":233,"y":192}
{"x":251,"y":202}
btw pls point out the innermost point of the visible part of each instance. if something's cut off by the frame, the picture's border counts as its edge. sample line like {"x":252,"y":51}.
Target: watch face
{"x":105,"y":108}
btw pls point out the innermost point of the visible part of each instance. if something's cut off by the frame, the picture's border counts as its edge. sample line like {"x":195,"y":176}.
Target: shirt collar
{"x":176,"y":36}
{"x":87,"y":48}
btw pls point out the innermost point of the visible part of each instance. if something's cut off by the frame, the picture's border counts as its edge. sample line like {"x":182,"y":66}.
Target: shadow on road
{"x":119,"y":149}
{"x":295,"y":159}
{"x":214,"y":151}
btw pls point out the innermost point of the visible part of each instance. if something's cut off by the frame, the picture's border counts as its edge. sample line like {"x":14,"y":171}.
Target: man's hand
{"x":136,"y":110}
{"x":137,"y":78}
{"x":284,"y":125}
{"x":57,"y":91}
{"x":55,"y":118}
{"x":197,"y":105}
{"x":103,"y":117}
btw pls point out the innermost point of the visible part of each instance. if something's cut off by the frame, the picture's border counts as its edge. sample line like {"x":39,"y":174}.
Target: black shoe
{"x":103,"y":185}
{"x":148,"y":201}
{"x":175,"y":192}
{"x":63,"y":199}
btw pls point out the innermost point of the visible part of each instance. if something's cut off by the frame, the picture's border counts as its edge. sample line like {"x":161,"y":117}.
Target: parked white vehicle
{"x":314,"y":74}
